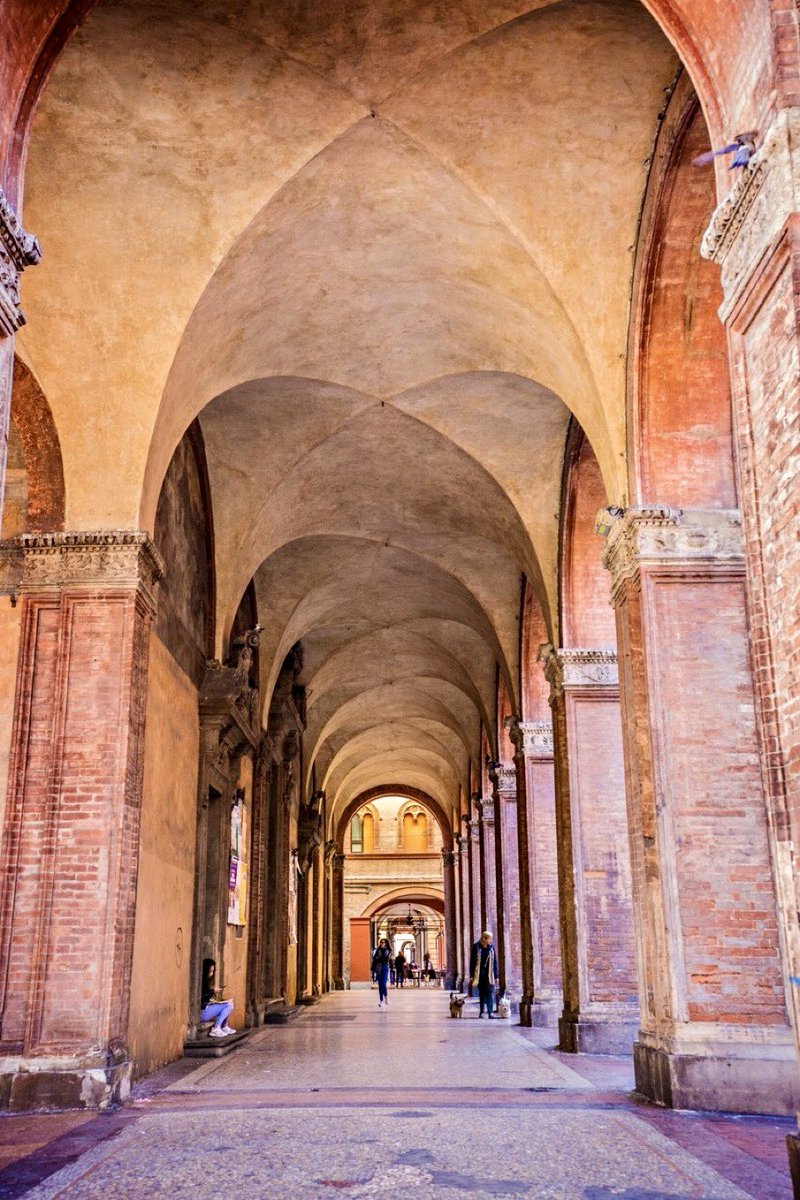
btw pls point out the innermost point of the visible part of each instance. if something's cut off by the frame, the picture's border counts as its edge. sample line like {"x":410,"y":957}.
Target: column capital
{"x":750,"y":218}
{"x":537,"y":738}
{"x":18,"y":250}
{"x":448,"y":858}
{"x":486,"y":805}
{"x":574,"y":667}
{"x":504,"y":776}
{"x":473,"y":828}
{"x":659,"y":536}
{"x":461,"y":841}
{"x":100,"y":560}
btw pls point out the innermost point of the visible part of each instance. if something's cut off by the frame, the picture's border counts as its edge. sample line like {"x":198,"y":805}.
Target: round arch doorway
{"x":412,"y":921}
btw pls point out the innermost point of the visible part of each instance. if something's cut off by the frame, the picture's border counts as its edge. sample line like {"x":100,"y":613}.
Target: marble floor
{"x":352,"y":1100}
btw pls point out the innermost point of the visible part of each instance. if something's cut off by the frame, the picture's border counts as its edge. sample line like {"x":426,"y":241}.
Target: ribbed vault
{"x":374,"y":250}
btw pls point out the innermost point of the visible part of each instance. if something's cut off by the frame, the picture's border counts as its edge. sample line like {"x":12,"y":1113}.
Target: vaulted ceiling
{"x":383,"y":250}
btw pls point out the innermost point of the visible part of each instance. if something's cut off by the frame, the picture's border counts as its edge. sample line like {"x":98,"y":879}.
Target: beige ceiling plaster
{"x":558,"y":151}
{"x":388,"y":737}
{"x":376,"y":269}
{"x":355,"y":585}
{"x":422,"y":696}
{"x":417,"y":768}
{"x":382,"y":476}
{"x":157,"y":140}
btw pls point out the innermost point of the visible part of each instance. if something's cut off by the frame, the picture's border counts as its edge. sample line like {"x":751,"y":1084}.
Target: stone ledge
{"x":705,"y":1082}
{"x":52,"y":1089}
{"x":207,"y":1047}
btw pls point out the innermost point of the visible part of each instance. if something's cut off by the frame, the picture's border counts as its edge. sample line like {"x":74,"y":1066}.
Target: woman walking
{"x":380,"y":969}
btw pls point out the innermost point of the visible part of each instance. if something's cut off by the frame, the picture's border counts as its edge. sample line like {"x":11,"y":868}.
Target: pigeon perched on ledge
{"x":742,"y":147}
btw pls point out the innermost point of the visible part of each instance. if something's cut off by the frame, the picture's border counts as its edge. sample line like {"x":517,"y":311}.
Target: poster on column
{"x":238,"y":875}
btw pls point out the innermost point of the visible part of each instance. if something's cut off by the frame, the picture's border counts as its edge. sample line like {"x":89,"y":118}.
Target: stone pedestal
{"x":537,"y":747}
{"x":71,"y":837}
{"x":598,"y":960}
{"x":714,"y":1022}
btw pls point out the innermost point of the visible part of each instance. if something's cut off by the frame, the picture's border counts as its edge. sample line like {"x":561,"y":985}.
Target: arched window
{"x":368,"y":825}
{"x":415,"y":831}
{"x":356,"y":835}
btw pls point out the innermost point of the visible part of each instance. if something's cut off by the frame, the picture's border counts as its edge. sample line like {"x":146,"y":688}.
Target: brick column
{"x":509,"y":934}
{"x":337,"y":921}
{"x":597,"y":954}
{"x":754,"y":235}
{"x":488,"y":866}
{"x":450,"y":920}
{"x":714,"y":1021}
{"x":537,"y":742}
{"x":71,"y":837}
{"x":476,"y":913}
{"x":18,"y":250}
{"x":523,"y":857}
{"x":464,"y":943}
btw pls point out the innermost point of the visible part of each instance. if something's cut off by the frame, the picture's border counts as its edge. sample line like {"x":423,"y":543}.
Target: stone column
{"x":18,"y":250}
{"x":488,"y":866}
{"x":598,"y":960}
{"x":537,"y":742}
{"x":450,"y":920}
{"x":714,"y":1029}
{"x":525,"y":834}
{"x":509,"y":933}
{"x":71,"y":837}
{"x":464,"y":912}
{"x":337,"y":921}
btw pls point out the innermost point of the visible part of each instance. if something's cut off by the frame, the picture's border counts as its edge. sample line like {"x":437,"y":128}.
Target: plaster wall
{"x":234,"y":973}
{"x":160,"y":979}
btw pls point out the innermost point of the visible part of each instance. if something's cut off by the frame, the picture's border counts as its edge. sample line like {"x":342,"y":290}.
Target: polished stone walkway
{"x":355,"y":1101}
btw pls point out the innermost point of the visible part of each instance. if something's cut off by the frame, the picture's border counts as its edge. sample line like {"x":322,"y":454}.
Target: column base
{"x":793,"y":1146}
{"x":339,"y":985}
{"x":42,"y":1084}
{"x":546,"y":1012}
{"x":718,"y":1081}
{"x":612,"y":1034}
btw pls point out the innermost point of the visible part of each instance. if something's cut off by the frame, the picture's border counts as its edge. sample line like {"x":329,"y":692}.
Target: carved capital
{"x":663,"y":536}
{"x":109,"y":560}
{"x":750,"y":217}
{"x":474,"y":831}
{"x":18,"y":250}
{"x":505,"y":779}
{"x":486,"y":806}
{"x":461,"y":843}
{"x":537,"y":738}
{"x":448,"y":859}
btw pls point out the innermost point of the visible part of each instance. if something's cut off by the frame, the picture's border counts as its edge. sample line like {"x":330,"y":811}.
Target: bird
{"x":742,"y":147}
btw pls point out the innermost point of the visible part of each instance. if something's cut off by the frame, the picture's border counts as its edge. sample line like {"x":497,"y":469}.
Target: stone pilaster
{"x":597,"y":955}
{"x":72,"y":823}
{"x":536,"y":741}
{"x":714,"y":1021}
{"x":450,"y":918}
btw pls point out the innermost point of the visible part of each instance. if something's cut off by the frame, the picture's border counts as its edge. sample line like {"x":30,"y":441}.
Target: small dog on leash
{"x":456,"y":1004}
{"x":504,"y":1008}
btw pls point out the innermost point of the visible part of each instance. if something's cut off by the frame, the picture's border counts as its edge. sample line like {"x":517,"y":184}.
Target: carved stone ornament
{"x":18,"y":250}
{"x":505,"y":777}
{"x":448,"y":859}
{"x":111,"y":560}
{"x":486,"y":809}
{"x":764,"y":195}
{"x":331,"y":849}
{"x":663,"y":536}
{"x":462,"y":842}
{"x":474,"y":831}
{"x":585,"y":668}
{"x":537,"y":738}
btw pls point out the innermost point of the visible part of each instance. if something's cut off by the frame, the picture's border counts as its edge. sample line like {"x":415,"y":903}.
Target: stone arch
{"x":35,"y":429}
{"x":680,"y":443}
{"x":421,"y":797}
{"x":414,"y":893}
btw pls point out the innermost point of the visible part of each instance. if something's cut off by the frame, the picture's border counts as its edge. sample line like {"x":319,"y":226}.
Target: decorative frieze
{"x":577,"y":668}
{"x":662,"y":536}
{"x":18,"y":250}
{"x":109,"y":560}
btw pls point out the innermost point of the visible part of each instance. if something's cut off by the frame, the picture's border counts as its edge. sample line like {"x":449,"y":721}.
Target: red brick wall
{"x":544,"y":872}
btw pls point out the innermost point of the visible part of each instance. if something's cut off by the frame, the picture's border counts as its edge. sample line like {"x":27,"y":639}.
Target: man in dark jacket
{"x":400,"y":969}
{"x":483,"y":972}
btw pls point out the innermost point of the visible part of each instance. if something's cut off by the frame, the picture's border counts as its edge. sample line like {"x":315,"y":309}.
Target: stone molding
{"x":659,"y":536}
{"x":751,"y":216}
{"x":106,"y":560}
{"x":18,"y":250}
{"x":537,"y":738}
{"x":577,"y":668}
